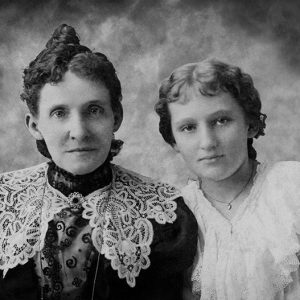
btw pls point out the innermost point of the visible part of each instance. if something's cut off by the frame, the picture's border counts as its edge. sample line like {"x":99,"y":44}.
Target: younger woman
{"x":248,"y":212}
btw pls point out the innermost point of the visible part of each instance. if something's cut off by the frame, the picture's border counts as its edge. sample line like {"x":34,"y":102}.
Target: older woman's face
{"x":77,"y":122}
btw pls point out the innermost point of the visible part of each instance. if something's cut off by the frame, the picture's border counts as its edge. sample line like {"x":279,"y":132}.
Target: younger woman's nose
{"x":207,"y":138}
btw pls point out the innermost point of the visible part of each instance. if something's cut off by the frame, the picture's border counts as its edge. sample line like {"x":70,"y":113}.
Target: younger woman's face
{"x":211,"y":134}
{"x":76,"y":121}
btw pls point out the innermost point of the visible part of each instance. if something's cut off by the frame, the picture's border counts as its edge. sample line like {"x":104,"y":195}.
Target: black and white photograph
{"x":150,"y":150}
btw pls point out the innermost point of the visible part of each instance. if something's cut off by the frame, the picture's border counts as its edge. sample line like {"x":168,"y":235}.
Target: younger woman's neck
{"x":228,"y":188}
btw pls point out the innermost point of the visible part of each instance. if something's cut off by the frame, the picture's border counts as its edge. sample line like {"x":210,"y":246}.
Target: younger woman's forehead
{"x":186,"y":91}
{"x":201,"y":107}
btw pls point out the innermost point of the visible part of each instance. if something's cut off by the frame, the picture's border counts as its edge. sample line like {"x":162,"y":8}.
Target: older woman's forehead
{"x":73,"y":90}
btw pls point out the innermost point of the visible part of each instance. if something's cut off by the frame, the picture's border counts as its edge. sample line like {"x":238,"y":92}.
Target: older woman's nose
{"x":78,"y":128}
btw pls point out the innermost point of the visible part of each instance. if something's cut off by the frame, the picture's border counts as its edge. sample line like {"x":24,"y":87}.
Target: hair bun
{"x":64,"y":34}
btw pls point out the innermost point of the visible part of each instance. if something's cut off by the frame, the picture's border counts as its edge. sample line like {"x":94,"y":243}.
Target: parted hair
{"x":210,"y":77}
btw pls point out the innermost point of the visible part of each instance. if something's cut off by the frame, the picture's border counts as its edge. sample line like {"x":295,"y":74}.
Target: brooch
{"x":75,"y":201}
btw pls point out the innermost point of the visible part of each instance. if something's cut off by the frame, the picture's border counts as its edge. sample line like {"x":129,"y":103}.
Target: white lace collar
{"x":254,"y":255}
{"x":118,"y":214}
{"x":247,"y":203}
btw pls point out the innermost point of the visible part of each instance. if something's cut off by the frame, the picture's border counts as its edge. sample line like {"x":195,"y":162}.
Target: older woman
{"x":79,"y":227}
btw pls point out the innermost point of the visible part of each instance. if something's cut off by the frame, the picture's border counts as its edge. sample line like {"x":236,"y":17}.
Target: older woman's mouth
{"x":85,"y":149}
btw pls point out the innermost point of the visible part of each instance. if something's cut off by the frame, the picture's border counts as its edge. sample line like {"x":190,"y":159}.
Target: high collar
{"x":67,"y":183}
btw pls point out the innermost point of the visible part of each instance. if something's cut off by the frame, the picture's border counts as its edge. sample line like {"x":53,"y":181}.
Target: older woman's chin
{"x":81,"y":163}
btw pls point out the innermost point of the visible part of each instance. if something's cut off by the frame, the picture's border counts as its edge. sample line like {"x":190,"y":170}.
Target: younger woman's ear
{"x":32,"y":125}
{"x":175,"y":147}
{"x":252,"y":130}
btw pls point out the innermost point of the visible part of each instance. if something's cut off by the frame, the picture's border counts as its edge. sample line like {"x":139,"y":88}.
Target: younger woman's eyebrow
{"x":223,"y":111}
{"x":209,"y":116}
{"x":57,"y":106}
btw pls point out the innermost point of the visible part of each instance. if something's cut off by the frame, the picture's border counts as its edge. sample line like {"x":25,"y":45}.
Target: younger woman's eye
{"x":95,"y":110}
{"x":188,"y":128}
{"x":221,"y":121}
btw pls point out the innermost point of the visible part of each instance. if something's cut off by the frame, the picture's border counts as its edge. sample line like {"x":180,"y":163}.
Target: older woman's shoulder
{"x":137,"y":177}
{"x":135,"y":180}
{"x":174,"y":226}
{"x":23,"y":176}
{"x":166,"y":227}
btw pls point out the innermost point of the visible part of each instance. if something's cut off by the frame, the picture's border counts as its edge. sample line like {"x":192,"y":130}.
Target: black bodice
{"x":172,"y":252}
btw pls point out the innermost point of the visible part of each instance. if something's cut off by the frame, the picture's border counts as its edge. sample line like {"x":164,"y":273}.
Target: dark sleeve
{"x":20,"y":283}
{"x":174,"y":244}
{"x":172,"y":253}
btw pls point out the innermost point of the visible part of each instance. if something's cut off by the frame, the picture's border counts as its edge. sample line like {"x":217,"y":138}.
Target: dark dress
{"x":119,"y":236}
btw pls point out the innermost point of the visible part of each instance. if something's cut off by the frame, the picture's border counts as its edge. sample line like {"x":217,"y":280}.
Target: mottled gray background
{"x":146,"y":40}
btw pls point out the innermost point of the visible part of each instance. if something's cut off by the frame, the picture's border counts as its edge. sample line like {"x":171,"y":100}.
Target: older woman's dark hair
{"x":211,"y":77}
{"x":63,"y":52}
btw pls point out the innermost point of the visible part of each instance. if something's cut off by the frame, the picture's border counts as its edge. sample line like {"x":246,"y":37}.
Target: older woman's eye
{"x":59,"y":113}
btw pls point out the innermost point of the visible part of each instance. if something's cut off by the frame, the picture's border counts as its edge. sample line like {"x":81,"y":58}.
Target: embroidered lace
{"x":253,"y":256}
{"x":119,"y":214}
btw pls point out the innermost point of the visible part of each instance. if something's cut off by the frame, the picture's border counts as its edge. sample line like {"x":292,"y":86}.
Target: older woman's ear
{"x":118,"y":116}
{"x":32,"y":125}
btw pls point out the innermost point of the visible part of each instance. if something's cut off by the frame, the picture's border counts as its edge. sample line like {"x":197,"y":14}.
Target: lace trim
{"x":119,"y":215}
{"x":282,"y":253}
{"x":199,"y":206}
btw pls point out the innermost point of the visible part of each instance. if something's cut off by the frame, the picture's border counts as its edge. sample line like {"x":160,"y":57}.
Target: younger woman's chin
{"x":214,"y":174}
{"x":222,"y":173}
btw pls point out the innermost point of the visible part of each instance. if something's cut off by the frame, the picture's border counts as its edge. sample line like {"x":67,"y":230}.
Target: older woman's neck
{"x":67,"y":182}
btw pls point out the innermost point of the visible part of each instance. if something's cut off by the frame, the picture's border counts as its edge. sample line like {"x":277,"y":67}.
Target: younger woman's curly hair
{"x":211,"y":77}
{"x":63,"y":52}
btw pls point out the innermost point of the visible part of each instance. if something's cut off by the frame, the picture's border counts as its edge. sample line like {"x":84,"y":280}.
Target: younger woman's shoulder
{"x":190,"y":193}
{"x":280,"y":178}
{"x":284,"y":171}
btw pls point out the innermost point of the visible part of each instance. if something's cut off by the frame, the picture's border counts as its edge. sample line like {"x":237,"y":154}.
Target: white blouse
{"x":254,"y":255}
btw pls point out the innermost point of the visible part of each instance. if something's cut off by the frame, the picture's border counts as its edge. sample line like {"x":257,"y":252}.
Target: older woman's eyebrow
{"x":57,"y":106}
{"x":98,"y":101}
{"x":67,"y":106}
